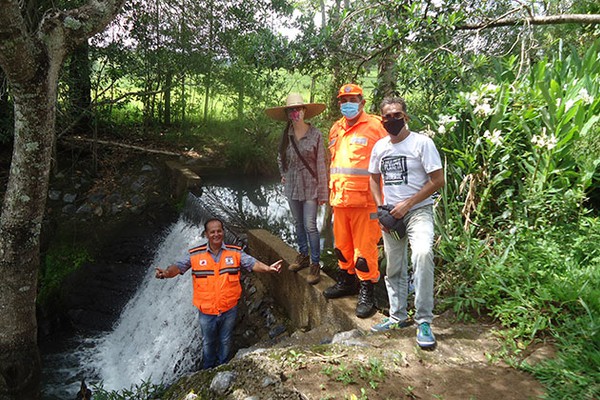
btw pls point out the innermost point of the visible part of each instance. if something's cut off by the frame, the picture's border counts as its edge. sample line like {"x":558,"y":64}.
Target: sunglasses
{"x":396,"y":115}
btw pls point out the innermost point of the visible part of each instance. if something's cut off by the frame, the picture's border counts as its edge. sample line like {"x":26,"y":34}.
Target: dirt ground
{"x":375,"y":367}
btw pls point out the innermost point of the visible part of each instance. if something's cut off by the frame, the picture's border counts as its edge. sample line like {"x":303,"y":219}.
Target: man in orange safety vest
{"x":355,"y":224}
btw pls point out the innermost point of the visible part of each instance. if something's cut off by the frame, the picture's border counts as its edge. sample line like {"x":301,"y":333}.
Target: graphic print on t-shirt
{"x":394,"y":170}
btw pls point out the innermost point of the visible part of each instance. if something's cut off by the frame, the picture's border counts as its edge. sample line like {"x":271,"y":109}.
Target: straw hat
{"x":295,"y":100}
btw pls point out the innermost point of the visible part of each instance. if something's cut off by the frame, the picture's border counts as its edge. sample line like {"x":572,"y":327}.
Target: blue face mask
{"x":349,"y":110}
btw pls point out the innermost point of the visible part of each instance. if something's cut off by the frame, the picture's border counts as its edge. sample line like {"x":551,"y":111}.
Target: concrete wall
{"x":305,"y":304}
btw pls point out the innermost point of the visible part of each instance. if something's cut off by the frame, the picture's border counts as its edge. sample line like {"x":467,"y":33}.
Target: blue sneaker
{"x":425,"y":338}
{"x":388,"y":324}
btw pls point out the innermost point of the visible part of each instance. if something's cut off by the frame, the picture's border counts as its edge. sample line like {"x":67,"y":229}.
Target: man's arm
{"x":262,"y":267}
{"x":436,"y":181}
{"x":375,"y":186}
{"x":169,"y":272}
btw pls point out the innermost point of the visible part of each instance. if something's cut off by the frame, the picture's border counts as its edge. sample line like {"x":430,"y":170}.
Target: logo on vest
{"x":358,"y":140}
{"x":203,"y":263}
{"x":229,"y":261}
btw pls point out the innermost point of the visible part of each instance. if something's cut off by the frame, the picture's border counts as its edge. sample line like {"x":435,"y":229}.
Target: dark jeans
{"x":217,"y":333}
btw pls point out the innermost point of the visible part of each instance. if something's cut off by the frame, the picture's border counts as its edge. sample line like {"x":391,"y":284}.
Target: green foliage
{"x":517,"y":239}
{"x":143,"y":391}
{"x":58,"y":263}
{"x":251,"y":149}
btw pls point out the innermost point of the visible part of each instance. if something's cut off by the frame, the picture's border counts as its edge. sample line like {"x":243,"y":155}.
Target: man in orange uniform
{"x":355,"y":225}
{"x":216,"y":271}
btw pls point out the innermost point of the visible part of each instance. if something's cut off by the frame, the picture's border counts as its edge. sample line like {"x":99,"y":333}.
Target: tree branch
{"x":533,"y":20}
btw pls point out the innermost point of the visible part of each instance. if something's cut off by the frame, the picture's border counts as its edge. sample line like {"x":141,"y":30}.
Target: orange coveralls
{"x":355,"y":225}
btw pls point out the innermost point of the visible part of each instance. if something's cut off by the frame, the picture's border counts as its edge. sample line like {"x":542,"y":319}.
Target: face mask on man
{"x":394,"y":126}
{"x":349,"y":110}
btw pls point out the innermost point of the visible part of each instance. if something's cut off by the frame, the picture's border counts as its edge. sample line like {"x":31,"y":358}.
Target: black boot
{"x":346,"y":286}
{"x":366,"y":300}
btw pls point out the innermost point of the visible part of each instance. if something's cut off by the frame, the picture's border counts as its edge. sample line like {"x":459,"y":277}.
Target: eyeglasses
{"x":396,"y":115}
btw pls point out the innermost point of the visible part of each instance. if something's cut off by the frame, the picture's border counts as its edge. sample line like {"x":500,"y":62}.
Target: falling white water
{"x":157,"y":338}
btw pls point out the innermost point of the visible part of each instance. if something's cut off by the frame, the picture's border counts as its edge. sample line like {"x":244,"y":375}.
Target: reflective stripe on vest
{"x":349,"y":171}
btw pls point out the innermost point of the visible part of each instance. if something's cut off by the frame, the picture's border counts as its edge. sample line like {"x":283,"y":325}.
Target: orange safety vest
{"x":217,"y":286}
{"x":350,"y":149}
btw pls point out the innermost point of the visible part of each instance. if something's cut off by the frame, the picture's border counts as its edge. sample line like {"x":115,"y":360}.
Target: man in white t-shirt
{"x":410,"y":168}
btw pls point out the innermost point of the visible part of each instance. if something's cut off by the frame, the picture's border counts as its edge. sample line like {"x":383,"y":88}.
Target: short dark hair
{"x":208,"y":221}
{"x":393,"y":100}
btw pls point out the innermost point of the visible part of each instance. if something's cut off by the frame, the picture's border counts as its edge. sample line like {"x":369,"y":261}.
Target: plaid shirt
{"x":299,"y":183}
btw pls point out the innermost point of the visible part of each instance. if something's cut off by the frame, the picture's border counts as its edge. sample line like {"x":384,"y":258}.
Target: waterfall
{"x":157,"y":337}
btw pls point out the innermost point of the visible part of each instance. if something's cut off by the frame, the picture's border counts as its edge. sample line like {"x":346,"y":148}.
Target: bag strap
{"x":302,"y":158}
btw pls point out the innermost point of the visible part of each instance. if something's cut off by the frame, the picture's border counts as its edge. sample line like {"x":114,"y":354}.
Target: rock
{"x":69,"y":197}
{"x":54,"y":195}
{"x":269,"y":381}
{"x":222,"y":382}
{"x":276,"y":331}
{"x":541,"y":354}
{"x":349,"y":338}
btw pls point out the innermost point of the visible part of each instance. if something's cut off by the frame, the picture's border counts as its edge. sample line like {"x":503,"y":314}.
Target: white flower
{"x":442,"y":129}
{"x":544,"y":141}
{"x":473,"y":98}
{"x":551,"y":142}
{"x":483,"y":110}
{"x":495,"y":137}
{"x":585,"y":96}
{"x":446,"y":120}
{"x":428,"y":132}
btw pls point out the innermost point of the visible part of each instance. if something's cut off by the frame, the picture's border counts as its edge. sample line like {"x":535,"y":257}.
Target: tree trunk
{"x":22,"y":213}
{"x":167,"y":98}
{"x":31,"y":57}
{"x":240,"y":102}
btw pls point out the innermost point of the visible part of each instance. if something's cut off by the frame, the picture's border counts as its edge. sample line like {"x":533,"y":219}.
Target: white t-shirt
{"x":404,"y":166}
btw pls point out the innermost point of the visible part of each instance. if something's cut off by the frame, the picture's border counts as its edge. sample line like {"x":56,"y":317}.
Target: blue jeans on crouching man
{"x":305,"y":218}
{"x":419,"y":234}
{"x":217,"y":334}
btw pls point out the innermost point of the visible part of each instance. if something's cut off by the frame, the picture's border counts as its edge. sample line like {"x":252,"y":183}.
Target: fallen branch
{"x":123,"y":145}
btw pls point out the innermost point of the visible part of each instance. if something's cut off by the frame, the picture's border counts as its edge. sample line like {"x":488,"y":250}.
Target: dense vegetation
{"x":514,"y":109}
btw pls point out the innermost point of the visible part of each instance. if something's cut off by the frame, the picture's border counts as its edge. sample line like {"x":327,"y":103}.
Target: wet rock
{"x":54,"y":195}
{"x":276,"y":331}
{"x":69,"y":197}
{"x":84,"y":209}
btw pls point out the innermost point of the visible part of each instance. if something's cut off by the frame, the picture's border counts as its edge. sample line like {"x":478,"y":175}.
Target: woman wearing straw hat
{"x":303,"y":171}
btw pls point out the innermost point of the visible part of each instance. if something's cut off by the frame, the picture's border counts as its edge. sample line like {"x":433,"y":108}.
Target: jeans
{"x":419,"y":233}
{"x":305,"y":217}
{"x":217,"y":333}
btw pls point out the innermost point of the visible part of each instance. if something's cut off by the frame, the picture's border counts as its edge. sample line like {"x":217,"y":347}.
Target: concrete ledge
{"x":183,"y":179}
{"x":305,"y":304}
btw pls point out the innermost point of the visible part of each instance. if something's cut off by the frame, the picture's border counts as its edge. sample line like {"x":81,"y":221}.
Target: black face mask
{"x":394,"y":126}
